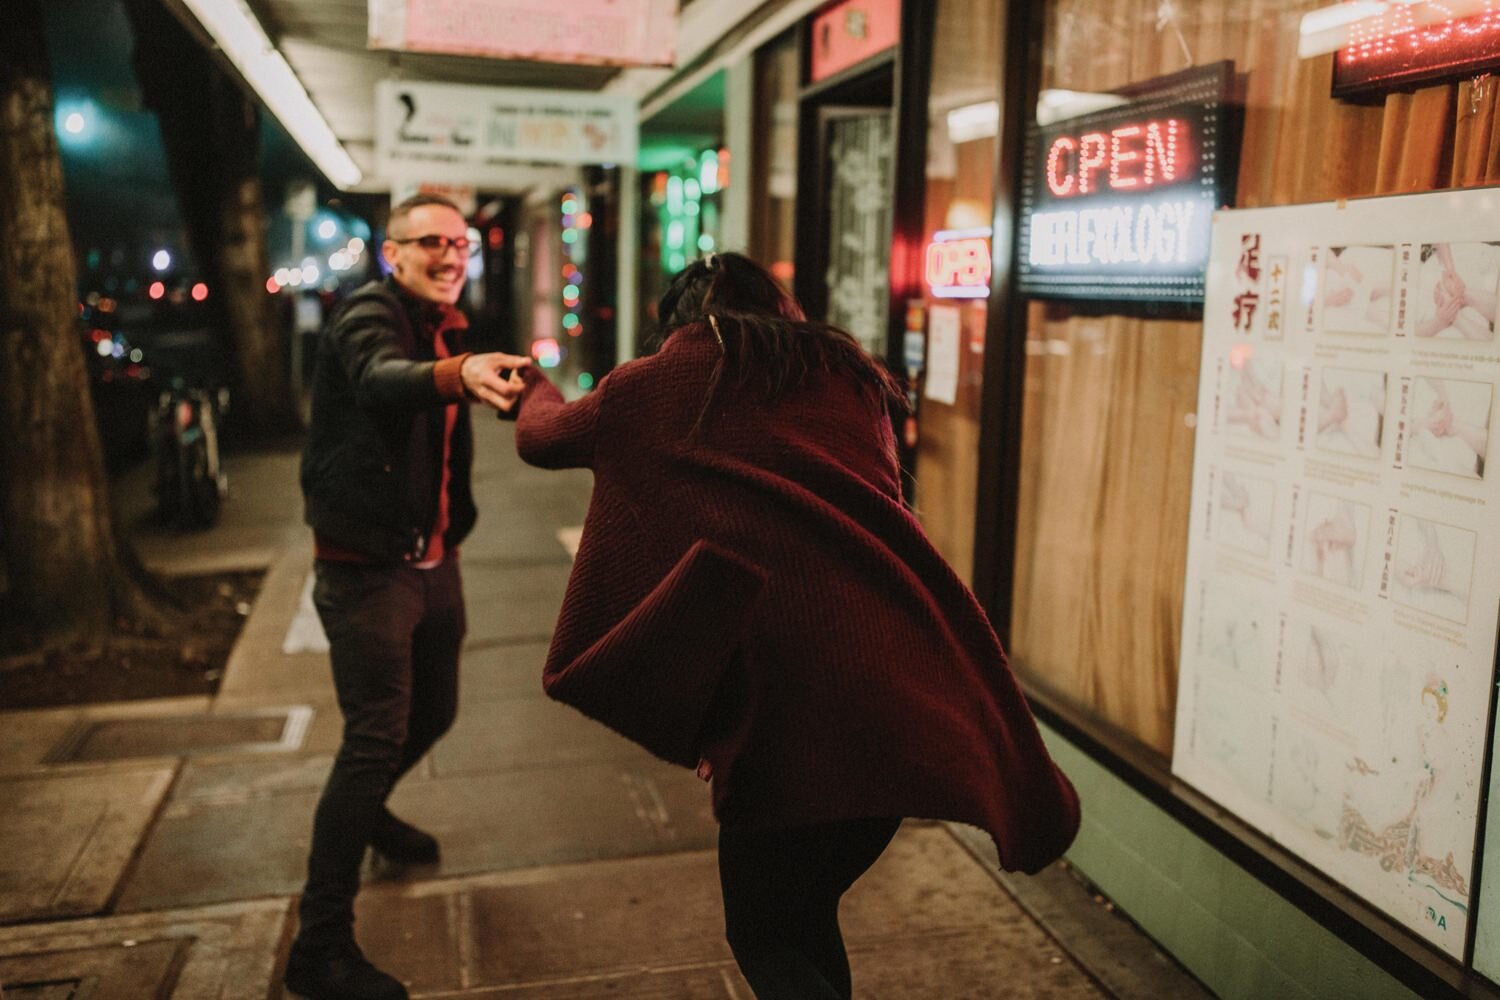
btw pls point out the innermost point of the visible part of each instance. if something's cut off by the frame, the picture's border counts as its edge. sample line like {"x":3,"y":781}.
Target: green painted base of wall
{"x":1241,"y":939}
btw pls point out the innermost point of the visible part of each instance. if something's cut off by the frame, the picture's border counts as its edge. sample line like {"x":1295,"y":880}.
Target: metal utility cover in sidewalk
{"x":143,"y":970}
{"x":220,"y":952}
{"x":173,"y":736}
{"x":67,"y":838}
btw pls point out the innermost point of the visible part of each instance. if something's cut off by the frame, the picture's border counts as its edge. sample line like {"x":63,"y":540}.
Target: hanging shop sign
{"x":452,"y":133}
{"x":958,"y":264}
{"x":1117,"y":204}
{"x":1342,"y":588}
{"x":600,"y":32}
{"x":1411,"y":44}
{"x":849,"y":32}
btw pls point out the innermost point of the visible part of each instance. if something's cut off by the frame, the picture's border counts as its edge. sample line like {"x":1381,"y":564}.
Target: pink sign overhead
{"x":847,"y":33}
{"x":598,"y":32}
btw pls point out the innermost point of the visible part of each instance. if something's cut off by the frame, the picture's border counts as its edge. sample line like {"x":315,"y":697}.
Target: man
{"x":386,"y":479}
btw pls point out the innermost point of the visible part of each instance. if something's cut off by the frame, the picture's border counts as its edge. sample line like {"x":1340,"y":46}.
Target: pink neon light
{"x":958,"y":264}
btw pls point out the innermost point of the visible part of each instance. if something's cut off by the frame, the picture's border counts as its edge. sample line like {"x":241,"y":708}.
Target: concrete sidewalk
{"x":154,"y":849}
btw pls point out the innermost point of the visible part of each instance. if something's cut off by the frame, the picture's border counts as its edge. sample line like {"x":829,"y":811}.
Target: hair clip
{"x":711,"y":261}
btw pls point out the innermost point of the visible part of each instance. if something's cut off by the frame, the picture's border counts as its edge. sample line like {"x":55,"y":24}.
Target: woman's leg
{"x":781,"y":902}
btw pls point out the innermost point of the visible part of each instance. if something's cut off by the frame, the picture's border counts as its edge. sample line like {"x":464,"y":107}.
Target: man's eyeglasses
{"x":438,"y":244}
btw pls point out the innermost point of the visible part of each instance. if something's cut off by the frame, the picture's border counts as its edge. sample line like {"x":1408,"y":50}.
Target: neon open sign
{"x":1138,"y":155}
{"x":1404,"y":47}
{"x":1118,"y":204}
{"x":958,"y":264}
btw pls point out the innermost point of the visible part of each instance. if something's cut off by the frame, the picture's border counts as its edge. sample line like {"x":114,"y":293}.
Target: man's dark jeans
{"x":394,"y":634}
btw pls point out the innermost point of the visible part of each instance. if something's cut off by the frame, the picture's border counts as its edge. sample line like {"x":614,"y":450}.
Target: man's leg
{"x":369,"y":614}
{"x":781,"y":901}
{"x":435,"y":646}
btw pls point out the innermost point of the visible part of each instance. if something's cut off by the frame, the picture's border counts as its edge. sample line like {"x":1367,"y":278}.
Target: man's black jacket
{"x":372,"y":469}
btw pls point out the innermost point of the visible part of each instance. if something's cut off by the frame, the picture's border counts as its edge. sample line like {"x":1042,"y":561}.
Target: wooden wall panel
{"x":1109,"y":405}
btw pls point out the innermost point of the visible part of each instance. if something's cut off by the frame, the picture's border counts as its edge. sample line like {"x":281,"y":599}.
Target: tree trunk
{"x":65,"y":575}
{"x":210,"y":131}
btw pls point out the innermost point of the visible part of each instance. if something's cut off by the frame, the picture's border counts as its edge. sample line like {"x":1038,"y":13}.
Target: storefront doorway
{"x":858,"y":237}
{"x":846,"y":158}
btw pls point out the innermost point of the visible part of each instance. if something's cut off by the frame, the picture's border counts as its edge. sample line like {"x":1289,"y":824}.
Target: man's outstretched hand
{"x":494,"y":379}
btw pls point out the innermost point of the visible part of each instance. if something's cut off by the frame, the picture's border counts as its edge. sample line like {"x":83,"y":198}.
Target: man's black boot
{"x":338,"y":972}
{"x":399,"y":841}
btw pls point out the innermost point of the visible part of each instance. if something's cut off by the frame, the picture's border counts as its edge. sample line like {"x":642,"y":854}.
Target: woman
{"x":752,"y":599}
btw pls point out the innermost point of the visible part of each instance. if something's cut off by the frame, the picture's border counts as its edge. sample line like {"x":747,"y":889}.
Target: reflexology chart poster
{"x":1343,"y":571}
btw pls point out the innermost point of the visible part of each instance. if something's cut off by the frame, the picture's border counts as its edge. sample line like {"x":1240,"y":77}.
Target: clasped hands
{"x":494,"y":378}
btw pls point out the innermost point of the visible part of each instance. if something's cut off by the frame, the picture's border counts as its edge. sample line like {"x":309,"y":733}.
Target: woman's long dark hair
{"x":765,"y":335}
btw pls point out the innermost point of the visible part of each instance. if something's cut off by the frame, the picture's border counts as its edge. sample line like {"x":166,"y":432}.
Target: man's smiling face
{"x":432,"y":275}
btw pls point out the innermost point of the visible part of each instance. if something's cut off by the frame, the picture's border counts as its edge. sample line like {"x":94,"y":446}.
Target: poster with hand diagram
{"x":1342,"y":601}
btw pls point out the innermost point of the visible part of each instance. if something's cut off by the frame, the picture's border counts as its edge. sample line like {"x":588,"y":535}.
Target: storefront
{"x":848,"y":115}
{"x":946,"y":324}
{"x":686,"y":205}
{"x":565,"y":275}
{"x":1230,"y":517}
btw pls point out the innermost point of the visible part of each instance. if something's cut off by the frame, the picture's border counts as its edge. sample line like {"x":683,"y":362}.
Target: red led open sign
{"x":958,"y":264}
{"x":1129,"y":157}
{"x":1396,"y":51}
{"x":1117,"y":204}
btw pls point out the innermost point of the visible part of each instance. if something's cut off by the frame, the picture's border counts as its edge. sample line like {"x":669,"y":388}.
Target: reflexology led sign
{"x":1117,"y":204}
{"x":1411,"y":44}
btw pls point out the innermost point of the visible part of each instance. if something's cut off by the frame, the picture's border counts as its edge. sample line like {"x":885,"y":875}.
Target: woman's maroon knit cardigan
{"x":756,"y":596}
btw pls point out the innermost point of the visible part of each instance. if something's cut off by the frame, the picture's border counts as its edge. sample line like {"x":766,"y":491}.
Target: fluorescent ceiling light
{"x":974,"y":121}
{"x":1329,"y":29}
{"x":1060,"y":105}
{"x":236,"y":31}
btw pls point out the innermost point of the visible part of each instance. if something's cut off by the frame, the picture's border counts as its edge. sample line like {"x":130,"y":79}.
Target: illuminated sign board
{"x":958,"y":264}
{"x":457,"y":134}
{"x":1117,"y":204}
{"x":1404,"y":47}
{"x":847,"y":33}
{"x":598,"y":32}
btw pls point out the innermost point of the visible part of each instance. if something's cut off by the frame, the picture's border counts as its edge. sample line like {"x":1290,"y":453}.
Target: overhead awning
{"x":310,"y":64}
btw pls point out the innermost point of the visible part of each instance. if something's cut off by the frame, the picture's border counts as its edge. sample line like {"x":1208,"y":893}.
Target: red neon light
{"x":1093,"y":151}
{"x":1141,"y":155}
{"x":1062,"y":186}
{"x":1161,"y":152}
{"x":958,"y":264}
{"x":1394,"y":48}
{"x":1121,"y":156}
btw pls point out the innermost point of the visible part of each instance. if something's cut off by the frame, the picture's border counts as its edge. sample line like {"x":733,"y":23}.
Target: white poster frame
{"x":1342,"y":595}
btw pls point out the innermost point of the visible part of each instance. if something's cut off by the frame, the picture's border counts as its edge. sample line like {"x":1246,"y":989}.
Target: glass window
{"x":1109,"y":399}
{"x":963,"y":114}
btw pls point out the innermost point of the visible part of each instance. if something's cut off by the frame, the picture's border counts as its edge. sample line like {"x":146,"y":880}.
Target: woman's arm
{"x":552,"y":433}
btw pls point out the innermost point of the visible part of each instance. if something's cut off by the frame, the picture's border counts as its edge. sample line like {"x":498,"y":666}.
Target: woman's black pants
{"x":781,"y":903}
